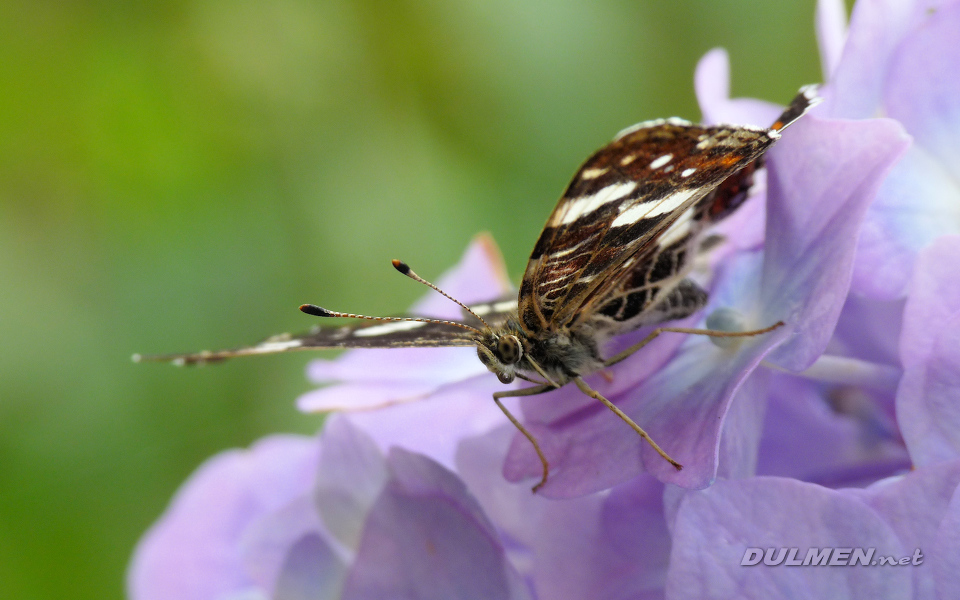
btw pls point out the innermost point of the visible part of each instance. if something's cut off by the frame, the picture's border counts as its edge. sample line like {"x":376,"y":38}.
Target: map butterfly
{"x":613,"y":257}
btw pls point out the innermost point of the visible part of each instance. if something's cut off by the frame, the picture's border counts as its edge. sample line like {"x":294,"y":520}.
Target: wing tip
{"x":808,"y":97}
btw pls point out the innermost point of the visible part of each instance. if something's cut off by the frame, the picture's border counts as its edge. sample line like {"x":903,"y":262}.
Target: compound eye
{"x":509,"y":349}
{"x":505,"y":377}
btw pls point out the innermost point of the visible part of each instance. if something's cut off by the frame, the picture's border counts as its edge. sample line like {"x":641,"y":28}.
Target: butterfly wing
{"x":383,"y":334}
{"x":655,"y":289}
{"x":649,"y":191}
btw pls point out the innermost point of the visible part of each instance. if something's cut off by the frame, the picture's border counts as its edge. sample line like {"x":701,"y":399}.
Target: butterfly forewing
{"x":653,"y":188}
{"x":378,"y":334}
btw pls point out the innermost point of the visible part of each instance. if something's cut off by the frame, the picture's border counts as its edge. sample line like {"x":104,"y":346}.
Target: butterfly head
{"x":501,"y":353}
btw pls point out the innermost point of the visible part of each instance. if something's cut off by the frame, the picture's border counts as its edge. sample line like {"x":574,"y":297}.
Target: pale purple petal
{"x":944,"y":554}
{"x":831,"y":33}
{"x":743,"y":427}
{"x":266,"y":542}
{"x":611,"y":546}
{"x":682,"y":406}
{"x":714,"y":528}
{"x":869,"y":330}
{"x":921,"y":199}
{"x":917,"y":202}
{"x":922,"y":89}
{"x":876,"y":30}
{"x":928,"y":401}
{"x":435,"y":425}
{"x":550,"y":415}
{"x":687,"y":419}
{"x":821,"y":178}
{"x":901,"y":62}
{"x":350,"y":476}
{"x":914,"y":506}
{"x":311,"y":571}
{"x":509,"y":505}
{"x":807,"y":439}
{"x":197,"y":548}
{"x":425,"y":538}
{"x":745,"y":228}
{"x":371,"y":379}
{"x":607,"y":545}
{"x":712,"y":84}
{"x":422,"y":365}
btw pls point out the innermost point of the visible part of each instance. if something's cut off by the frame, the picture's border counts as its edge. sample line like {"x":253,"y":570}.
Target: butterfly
{"x":614,"y":256}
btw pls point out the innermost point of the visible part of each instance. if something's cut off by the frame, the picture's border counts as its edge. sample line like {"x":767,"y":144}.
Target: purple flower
{"x":291,"y":518}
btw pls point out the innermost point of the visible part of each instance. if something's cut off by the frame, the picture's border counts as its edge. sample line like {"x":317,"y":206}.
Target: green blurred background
{"x":181,"y":175}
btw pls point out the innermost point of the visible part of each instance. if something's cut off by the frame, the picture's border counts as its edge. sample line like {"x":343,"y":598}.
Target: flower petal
{"x":831,"y":33}
{"x":607,"y":545}
{"x":876,"y":29}
{"x":682,"y":406}
{"x":821,"y":178}
{"x":712,"y":84}
{"x":804,"y":438}
{"x":915,"y":505}
{"x":922,"y":89}
{"x":917,"y":203}
{"x":435,"y":425}
{"x":945,"y":551}
{"x":928,"y":400}
{"x":426,"y":537}
{"x":715,"y":527}
{"x":195,"y":550}
{"x":920,"y":201}
{"x":311,"y":570}
{"x":351,"y":474}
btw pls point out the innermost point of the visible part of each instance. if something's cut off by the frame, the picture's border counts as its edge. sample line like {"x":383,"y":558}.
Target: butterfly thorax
{"x":558,"y":355}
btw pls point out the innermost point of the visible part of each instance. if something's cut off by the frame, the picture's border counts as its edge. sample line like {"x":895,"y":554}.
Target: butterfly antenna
{"x":319,"y":311}
{"x":405,"y":269}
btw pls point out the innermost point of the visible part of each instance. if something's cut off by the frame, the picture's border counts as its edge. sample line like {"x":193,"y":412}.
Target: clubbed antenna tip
{"x":317,"y":311}
{"x":406,"y":270}
{"x":401,"y":266}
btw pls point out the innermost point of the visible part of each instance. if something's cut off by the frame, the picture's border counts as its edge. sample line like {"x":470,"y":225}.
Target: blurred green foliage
{"x":181,"y":175}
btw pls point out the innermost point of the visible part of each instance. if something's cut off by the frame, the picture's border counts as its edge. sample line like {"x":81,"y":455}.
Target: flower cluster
{"x":840,"y":430}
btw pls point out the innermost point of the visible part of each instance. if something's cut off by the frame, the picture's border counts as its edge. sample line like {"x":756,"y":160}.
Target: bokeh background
{"x":182,"y":175}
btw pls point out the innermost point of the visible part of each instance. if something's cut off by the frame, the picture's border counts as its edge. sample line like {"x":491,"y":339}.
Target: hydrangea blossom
{"x":800,"y":439}
{"x":292,"y":518}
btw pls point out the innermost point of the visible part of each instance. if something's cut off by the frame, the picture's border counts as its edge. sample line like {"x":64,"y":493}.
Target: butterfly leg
{"x":530,"y":391}
{"x":709,"y":332}
{"x":586,"y":389}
